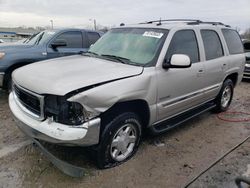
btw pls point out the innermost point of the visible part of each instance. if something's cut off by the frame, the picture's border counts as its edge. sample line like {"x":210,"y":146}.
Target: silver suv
{"x":151,"y":76}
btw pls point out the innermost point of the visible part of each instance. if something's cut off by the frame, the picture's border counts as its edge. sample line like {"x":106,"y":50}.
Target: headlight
{"x":2,"y":54}
{"x":63,"y":111}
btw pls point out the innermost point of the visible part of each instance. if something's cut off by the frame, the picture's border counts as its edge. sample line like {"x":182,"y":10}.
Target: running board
{"x":179,"y":119}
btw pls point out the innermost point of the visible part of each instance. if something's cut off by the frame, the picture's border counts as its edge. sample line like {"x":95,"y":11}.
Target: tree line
{"x":246,"y":34}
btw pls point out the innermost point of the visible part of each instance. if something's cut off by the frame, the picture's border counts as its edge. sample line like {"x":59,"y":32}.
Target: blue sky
{"x":77,"y":13}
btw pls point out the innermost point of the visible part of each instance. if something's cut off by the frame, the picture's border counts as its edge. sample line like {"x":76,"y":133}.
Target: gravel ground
{"x":183,"y":153}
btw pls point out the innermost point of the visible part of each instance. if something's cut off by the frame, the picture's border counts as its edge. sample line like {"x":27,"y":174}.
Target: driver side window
{"x":184,"y":42}
{"x":73,"y":39}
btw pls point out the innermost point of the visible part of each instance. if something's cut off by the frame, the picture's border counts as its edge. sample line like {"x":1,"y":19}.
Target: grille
{"x":31,"y":103}
{"x":247,"y":69}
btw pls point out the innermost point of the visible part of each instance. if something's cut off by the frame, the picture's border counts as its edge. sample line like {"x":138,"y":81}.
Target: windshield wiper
{"x":89,"y":52}
{"x":39,"y":39}
{"x":30,"y":38}
{"x":123,"y":60}
{"x":118,"y":58}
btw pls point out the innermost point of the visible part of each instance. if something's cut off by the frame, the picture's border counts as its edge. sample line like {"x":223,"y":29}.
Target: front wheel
{"x":225,"y":96}
{"x":119,"y":141}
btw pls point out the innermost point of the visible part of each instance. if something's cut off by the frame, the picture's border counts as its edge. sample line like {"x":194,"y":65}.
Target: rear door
{"x":92,"y":37}
{"x":180,"y":89}
{"x":74,"y":44}
{"x":216,"y":63}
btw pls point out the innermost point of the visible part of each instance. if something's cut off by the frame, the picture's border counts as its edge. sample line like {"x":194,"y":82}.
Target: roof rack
{"x":170,"y":20}
{"x":212,"y":23}
{"x":188,"y":21}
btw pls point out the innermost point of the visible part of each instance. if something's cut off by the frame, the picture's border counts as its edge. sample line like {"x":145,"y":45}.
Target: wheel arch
{"x":139,"y":106}
{"x":233,"y":77}
{"x":10,"y":69}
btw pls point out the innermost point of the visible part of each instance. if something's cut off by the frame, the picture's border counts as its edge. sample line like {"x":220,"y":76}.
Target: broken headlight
{"x":63,"y":111}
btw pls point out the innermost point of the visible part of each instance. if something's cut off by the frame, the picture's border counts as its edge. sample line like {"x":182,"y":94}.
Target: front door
{"x":74,"y":45}
{"x":180,"y":89}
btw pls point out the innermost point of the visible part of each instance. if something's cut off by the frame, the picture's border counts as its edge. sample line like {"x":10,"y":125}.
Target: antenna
{"x":159,"y":22}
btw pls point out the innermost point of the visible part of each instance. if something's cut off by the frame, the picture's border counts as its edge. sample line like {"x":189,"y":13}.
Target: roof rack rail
{"x":212,"y":23}
{"x":170,"y":20}
{"x":188,"y":21}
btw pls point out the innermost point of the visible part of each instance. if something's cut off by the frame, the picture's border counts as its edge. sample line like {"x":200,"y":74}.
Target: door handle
{"x":224,"y":66}
{"x":200,"y":72}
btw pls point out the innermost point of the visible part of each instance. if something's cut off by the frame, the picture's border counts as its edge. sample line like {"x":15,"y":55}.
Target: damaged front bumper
{"x":86,"y":134}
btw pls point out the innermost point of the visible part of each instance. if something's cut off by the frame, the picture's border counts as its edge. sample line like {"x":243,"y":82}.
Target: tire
{"x":9,"y":85}
{"x":119,"y":141}
{"x":224,"y":98}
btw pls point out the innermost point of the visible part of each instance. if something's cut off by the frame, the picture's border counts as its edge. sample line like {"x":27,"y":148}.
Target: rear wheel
{"x":225,"y":96}
{"x":119,"y":141}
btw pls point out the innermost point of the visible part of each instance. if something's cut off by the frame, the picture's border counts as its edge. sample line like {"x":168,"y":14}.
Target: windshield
{"x":138,"y":45}
{"x":39,"y":38}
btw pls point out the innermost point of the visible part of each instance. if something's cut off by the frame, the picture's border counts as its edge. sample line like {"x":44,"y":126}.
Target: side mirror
{"x":178,"y":61}
{"x":58,"y":43}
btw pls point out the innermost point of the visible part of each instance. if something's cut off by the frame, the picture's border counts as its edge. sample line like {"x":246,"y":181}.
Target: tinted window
{"x":212,"y":44}
{"x":72,"y":38}
{"x":184,"y":42}
{"x":93,"y":37}
{"x":233,"y":41}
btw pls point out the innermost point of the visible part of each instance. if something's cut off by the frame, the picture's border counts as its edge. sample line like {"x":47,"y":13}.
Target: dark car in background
{"x":246,"y":44}
{"x":41,"y":46}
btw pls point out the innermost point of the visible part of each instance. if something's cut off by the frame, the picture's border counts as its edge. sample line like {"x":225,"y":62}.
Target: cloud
{"x":113,"y":12}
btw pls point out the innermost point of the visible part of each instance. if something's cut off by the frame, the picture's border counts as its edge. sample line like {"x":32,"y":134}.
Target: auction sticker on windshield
{"x":152,"y":34}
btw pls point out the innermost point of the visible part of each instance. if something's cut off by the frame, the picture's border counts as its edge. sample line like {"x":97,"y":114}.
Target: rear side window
{"x":212,"y":44}
{"x":184,"y":42}
{"x":93,"y":37}
{"x":73,"y":39}
{"x":233,"y":41}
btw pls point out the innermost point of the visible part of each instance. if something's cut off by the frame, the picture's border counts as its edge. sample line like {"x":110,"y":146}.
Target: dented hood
{"x":63,"y":75}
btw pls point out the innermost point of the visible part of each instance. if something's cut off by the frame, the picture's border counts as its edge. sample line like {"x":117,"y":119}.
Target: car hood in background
{"x":13,"y":47}
{"x":63,"y":75}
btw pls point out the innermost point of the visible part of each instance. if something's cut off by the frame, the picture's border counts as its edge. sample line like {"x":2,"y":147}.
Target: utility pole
{"x":95,"y":24}
{"x":94,"y":20}
{"x":52,"y":24}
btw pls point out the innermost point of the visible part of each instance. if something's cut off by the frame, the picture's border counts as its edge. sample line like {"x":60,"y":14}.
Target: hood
{"x":63,"y":75}
{"x":13,"y":47}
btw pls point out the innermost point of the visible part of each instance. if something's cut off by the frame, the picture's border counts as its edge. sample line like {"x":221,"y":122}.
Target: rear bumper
{"x":1,"y":78}
{"x":86,"y":134}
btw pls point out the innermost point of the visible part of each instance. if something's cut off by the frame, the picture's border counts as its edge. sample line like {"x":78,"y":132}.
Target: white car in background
{"x":246,"y":44}
{"x":1,"y":41}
